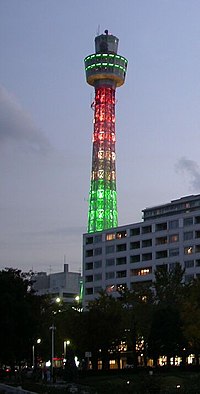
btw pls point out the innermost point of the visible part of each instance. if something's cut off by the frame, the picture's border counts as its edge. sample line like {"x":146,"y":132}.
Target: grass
{"x":173,"y":381}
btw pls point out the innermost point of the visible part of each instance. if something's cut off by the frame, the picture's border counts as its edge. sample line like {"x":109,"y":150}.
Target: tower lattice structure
{"x":105,"y":70}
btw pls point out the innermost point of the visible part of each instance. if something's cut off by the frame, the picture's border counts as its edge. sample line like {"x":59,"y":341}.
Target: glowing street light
{"x":66,"y":343}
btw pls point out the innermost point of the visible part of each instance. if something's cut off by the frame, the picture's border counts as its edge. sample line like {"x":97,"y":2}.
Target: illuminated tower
{"x":105,"y":70}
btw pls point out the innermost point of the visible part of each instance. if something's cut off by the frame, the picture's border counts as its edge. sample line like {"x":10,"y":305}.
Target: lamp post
{"x":52,"y":328}
{"x":66,"y":343}
{"x":33,"y":352}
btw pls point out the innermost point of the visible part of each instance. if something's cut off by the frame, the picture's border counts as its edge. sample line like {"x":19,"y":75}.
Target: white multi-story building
{"x":129,"y":254}
{"x":64,"y":285}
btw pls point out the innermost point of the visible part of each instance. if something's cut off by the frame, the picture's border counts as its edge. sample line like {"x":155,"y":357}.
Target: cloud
{"x":190,"y":168}
{"x":16,"y":125}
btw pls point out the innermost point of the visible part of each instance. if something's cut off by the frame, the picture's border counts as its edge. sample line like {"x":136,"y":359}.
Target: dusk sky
{"x":46,"y":120}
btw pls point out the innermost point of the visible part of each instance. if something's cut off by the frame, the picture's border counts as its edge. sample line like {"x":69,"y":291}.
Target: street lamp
{"x":52,"y":328}
{"x":66,"y":343}
{"x":33,"y":351}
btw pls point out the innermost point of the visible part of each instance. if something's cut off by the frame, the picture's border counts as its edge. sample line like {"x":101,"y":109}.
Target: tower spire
{"x":105,"y":70}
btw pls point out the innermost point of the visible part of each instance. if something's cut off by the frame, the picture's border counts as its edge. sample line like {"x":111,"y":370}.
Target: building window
{"x":161,"y":254}
{"x":97,"y":264}
{"x":97,"y":239}
{"x":89,"y":253}
{"x":188,"y":250}
{"x":197,"y":248}
{"x":121,"y":274}
{"x":121,"y":234}
{"x":189,"y":264}
{"x":89,"y":278}
{"x":110,"y":262}
{"x":110,"y":275}
{"x":135,"y":245}
{"x":97,"y":251}
{"x":110,"y":237}
{"x":121,"y":260}
{"x":187,"y":235}
{"x":135,"y":259}
{"x":89,"y":290}
{"x":121,"y":247}
{"x":141,"y":271}
{"x":146,"y":256}
{"x":89,"y":266}
{"x":135,"y":231}
{"x":189,"y":278}
{"x":110,"y":249}
{"x":146,"y":243}
{"x":97,"y":277}
{"x":146,"y":229}
{"x":172,"y":266}
{"x":89,"y":240}
{"x":173,"y":224}
{"x":161,"y":226}
{"x":173,"y":252}
{"x":197,"y":219}
{"x":161,"y":240}
{"x":97,"y":289}
{"x":188,"y":221}
{"x":197,"y":234}
{"x":174,"y":238}
{"x":198,"y":263}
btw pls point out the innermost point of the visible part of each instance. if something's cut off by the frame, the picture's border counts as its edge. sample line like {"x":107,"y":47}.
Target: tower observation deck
{"x":105,"y":70}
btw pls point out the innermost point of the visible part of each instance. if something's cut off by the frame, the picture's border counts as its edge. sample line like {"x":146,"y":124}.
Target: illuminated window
{"x":174,"y":238}
{"x":109,"y":237}
{"x":141,"y":272}
{"x":121,"y":234}
{"x":188,"y":250}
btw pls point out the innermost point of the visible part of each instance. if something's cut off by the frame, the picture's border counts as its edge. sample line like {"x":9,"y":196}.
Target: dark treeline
{"x":161,"y":320}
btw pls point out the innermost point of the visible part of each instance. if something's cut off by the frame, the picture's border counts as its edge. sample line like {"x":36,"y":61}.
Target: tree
{"x":166,"y":335}
{"x":20,"y":312}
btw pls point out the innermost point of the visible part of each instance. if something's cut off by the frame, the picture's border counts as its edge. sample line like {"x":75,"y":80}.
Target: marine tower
{"x":105,"y":70}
